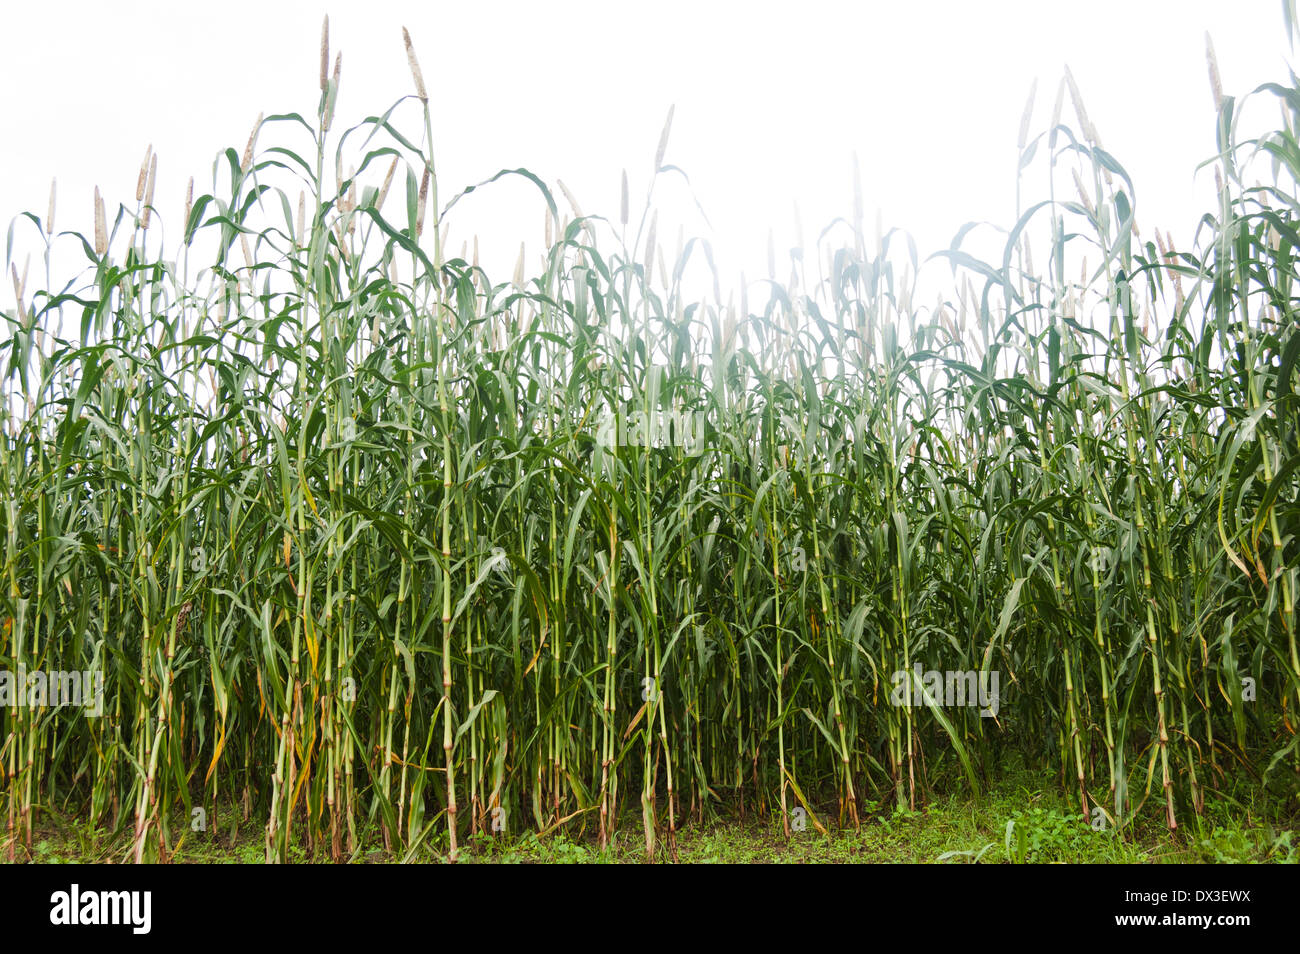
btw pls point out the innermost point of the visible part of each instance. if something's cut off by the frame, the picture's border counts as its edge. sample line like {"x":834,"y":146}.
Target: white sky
{"x":771,"y":103}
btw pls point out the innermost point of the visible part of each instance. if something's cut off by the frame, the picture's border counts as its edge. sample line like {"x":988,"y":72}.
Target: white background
{"x":772,"y":101}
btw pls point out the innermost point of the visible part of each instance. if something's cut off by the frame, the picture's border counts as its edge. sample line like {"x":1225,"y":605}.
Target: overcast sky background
{"x":771,"y":102}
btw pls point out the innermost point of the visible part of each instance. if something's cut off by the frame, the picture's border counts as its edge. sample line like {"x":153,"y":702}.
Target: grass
{"x":371,"y":549}
{"x":955,"y":829}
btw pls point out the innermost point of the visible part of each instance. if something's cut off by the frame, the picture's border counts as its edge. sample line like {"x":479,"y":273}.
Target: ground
{"x":956,"y":829}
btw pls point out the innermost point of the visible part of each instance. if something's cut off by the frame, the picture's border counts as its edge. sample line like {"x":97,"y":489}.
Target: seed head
{"x":324,"y":54}
{"x":148,"y":191}
{"x":423,"y":201}
{"x":352,"y":201}
{"x":1083,"y":194}
{"x":144,"y":175}
{"x":663,"y":139}
{"x":19,"y":287}
{"x":573,"y":203}
{"x":388,"y":181}
{"x":183,"y":615}
{"x":49,"y":215}
{"x":1216,"y":87}
{"x":1056,"y":111}
{"x":338,"y":235}
{"x":101,"y":228}
{"x":1027,"y":115}
{"x":247,"y":161}
{"x":650,"y":245}
{"x":415,"y":67}
{"x":1089,"y":130}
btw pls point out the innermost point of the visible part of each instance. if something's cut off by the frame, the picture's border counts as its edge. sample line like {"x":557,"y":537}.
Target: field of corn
{"x":360,"y":536}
